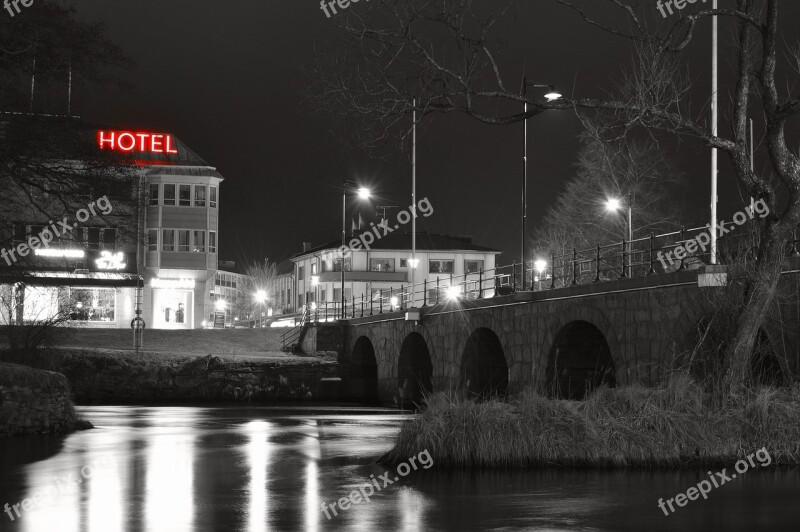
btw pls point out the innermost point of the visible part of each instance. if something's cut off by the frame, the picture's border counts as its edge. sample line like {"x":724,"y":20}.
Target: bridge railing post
{"x":624,"y":269}
{"x":380,"y":300}
{"x":597,"y":265}
{"x":362,"y":305}
{"x":480,"y":283}
{"x":682,"y":239}
{"x":437,"y":290}
{"x":553,"y":271}
{"x":574,"y":266}
{"x":795,"y":251}
{"x":371,"y":301}
{"x":652,"y":269}
{"x":514,"y":275}
{"x":425,"y":293}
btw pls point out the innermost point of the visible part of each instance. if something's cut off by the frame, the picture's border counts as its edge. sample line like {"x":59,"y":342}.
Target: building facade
{"x":148,"y":241}
{"x":372,"y":275}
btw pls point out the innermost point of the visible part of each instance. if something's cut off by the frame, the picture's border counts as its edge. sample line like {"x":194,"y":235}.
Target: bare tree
{"x":638,"y":172}
{"x":443,"y":55}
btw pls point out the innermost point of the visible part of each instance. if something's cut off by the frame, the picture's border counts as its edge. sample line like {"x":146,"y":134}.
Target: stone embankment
{"x":35,"y":401}
{"x":105,"y":377}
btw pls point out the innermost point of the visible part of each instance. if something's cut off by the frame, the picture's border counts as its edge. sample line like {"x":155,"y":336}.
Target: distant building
{"x":444,"y":261}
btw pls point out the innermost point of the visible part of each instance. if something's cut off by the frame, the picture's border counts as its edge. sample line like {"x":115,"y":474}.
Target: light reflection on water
{"x":263,"y":469}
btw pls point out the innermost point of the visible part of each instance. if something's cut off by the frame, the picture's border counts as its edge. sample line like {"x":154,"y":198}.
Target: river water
{"x":178,"y":469}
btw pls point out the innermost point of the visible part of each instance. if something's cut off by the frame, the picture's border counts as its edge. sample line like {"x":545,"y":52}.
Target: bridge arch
{"x":579,"y":361}
{"x":363,"y":374}
{"x":414,"y":370}
{"x":484,"y":369}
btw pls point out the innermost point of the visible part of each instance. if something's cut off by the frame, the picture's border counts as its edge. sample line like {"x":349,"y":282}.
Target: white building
{"x":382,"y":272}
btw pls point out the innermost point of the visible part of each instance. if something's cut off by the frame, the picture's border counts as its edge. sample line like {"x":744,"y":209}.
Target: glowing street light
{"x":614,"y":205}
{"x":363,"y":193}
{"x":261,"y":296}
{"x":453,"y":292}
{"x":221,"y":304}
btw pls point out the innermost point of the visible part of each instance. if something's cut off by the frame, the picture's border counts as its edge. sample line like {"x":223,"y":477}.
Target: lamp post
{"x":541,"y":267}
{"x":551,"y":95}
{"x":261,"y":298}
{"x":363,"y":193}
{"x":614,"y":205}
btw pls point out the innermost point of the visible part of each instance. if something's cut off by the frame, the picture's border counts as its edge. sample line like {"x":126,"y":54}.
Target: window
{"x":199,"y":242}
{"x":91,"y":304}
{"x":337,"y":264}
{"x":199,"y":195}
{"x":169,"y":194}
{"x":212,"y":241}
{"x":404,"y":263}
{"x":168,"y":240}
{"x":381,"y":265}
{"x":152,"y":240}
{"x":19,"y":233}
{"x":212,"y":198}
{"x":183,"y":240}
{"x":301,"y":273}
{"x":154,"y":190}
{"x":323,"y":295}
{"x":109,"y":238}
{"x":441,"y":266}
{"x":314,"y":270}
{"x":185,"y":195}
{"x":473,"y":266}
{"x":93,"y":236}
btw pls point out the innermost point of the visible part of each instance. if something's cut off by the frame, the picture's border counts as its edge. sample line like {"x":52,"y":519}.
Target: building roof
{"x":402,"y":242}
{"x":71,"y":138}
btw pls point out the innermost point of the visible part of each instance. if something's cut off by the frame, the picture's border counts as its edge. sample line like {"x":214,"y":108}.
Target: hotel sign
{"x":173,"y":284}
{"x":111,"y":261}
{"x":133,"y":141}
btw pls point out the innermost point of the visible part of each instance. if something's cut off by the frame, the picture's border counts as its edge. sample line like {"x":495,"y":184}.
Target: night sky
{"x":226,"y":78}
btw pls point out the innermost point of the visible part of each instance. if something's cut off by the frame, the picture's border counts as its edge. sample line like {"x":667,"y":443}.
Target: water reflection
{"x":265,"y":469}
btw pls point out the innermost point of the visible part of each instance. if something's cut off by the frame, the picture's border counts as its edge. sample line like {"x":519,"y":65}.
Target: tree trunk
{"x":759,"y":294}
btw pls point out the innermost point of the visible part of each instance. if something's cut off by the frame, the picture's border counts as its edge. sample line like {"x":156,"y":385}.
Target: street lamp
{"x":261,"y":298}
{"x":614,"y":205}
{"x":541,"y":267}
{"x":363,"y":193}
{"x":552,"y":95}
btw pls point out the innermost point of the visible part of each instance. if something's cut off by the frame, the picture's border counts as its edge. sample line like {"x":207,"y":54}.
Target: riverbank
{"x":108,"y":376}
{"x":35,"y":401}
{"x":636,"y":427}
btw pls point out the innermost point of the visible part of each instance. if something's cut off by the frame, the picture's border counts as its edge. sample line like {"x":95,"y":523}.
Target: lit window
{"x":381,"y":265}
{"x":169,"y":194}
{"x":109,"y":238}
{"x":183,"y":240}
{"x":440,"y":266}
{"x":91,"y":304}
{"x":212,"y":241}
{"x":199,"y":242}
{"x":168,"y":240}
{"x":93,"y":236}
{"x":185,"y":195}
{"x":212,"y":199}
{"x":154,"y":190}
{"x":199,"y":195}
{"x":473,"y":266}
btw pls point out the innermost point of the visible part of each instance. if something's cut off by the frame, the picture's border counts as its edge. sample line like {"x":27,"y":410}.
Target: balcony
{"x":364,"y":276}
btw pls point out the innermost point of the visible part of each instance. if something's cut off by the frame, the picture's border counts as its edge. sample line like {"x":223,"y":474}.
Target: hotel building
{"x":155,"y":250}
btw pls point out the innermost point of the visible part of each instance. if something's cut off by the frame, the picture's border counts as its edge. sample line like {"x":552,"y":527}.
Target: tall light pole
{"x":552,"y":95}
{"x":414,"y":203}
{"x":363,"y":193}
{"x":714,"y":130}
{"x":614,"y":205}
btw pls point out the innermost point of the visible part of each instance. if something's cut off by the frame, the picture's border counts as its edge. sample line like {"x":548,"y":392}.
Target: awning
{"x":95,"y":279}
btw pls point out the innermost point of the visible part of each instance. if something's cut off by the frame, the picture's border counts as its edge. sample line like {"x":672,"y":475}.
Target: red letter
{"x":130,"y":146}
{"x":157,"y":143}
{"x":102,"y":140}
{"x":142,"y":136}
{"x":170,"y":149}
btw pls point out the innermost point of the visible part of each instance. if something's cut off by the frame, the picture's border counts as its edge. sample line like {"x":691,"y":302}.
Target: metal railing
{"x":625,"y":259}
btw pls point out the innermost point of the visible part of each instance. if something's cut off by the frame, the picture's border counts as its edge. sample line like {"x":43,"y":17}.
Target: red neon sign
{"x":130,"y":141}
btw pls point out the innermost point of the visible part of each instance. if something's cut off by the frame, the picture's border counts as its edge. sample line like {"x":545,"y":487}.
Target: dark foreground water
{"x":223,"y":469}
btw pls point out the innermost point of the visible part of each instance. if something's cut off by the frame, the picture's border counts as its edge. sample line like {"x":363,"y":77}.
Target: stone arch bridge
{"x":563,"y":341}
